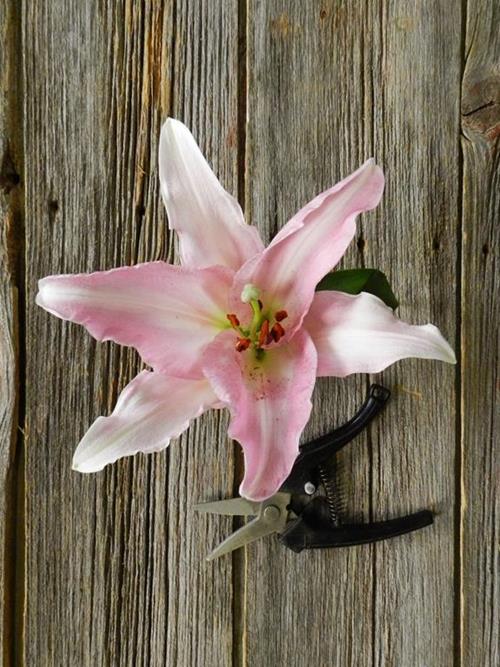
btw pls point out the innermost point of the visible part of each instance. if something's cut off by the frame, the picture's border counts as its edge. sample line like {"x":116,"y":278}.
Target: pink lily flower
{"x":236,"y":325}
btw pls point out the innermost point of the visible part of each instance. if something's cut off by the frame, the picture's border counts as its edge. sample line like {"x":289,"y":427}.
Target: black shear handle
{"x":314,"y":453}
{"x":299,"y":535}
{"x":374,"y":403}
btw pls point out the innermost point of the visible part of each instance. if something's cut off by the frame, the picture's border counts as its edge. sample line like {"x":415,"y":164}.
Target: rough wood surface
{"x":115,"y":561}
{"x":416,"y":125}
{"x":285,"y":97}
{"x":11,"y":235}
{"x":8,"y":439}
{"x":315,"y":608}
{"x":480,"y":334}
{"x":329,"y":88}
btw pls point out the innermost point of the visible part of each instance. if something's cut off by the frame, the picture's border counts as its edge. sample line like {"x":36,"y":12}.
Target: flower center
{"x":262,"y":330}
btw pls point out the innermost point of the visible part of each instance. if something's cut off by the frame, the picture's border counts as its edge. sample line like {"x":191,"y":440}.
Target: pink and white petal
{"x":209,"y":220}
{"x":298,"y":219}
{"x":360,"y":334}
{"x":312,"y":243}
{"x":168,"y":313}
{"x":151,"y":410}
{"x":270,"y":403}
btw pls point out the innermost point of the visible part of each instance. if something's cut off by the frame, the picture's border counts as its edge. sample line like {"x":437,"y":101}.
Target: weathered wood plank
{"x":205,"y":97}
{"x":8,"y":438}
{"x":115,"y":571}
{"x":330,"y":86}
{"x":11,"y":235}
{"x":480,"y":333}
{"x":305,"y":60}
{"x":115,"y":560}
{"x":415,"y":86}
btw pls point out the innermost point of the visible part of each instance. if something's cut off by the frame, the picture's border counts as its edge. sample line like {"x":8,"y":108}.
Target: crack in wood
{"x":478,"y":109}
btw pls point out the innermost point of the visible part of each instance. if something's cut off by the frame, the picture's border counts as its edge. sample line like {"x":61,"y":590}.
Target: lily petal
{"x":270,"y":403}
{"x":312,"y":243}
{"x":209,"y":221}
{"x":168,"y":313}
{"x":360,"y":334}
{"x":150,"y":410}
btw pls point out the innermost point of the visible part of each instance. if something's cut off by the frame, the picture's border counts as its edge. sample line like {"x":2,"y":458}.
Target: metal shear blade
{"x":270,"y":517}
{"x":230,"y":507}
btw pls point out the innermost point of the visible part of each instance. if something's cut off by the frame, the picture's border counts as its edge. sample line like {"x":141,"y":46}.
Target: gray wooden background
{"x":284,"y":97}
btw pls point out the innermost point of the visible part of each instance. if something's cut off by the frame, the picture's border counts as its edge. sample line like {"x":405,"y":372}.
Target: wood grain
{"x":328,"y":88}
{"x":415,"y":77}
{"x":284,"y":97}
{"x":303,"y":63}
{"x":480,"y":336}
{"x":11,"y":267}
{"x":205,"y":96}
{"x":115,"y":569}
{"x":8,"y":440}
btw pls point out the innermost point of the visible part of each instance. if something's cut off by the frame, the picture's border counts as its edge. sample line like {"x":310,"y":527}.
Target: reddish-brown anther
{"x":281,"y":315}
{"x":277,"y":332}
{"x":233,"y":320}
{"x":242,"y":344}
{"x":264,"y":333}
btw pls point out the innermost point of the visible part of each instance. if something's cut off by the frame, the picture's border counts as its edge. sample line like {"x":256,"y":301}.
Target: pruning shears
{"x":301,"y":516}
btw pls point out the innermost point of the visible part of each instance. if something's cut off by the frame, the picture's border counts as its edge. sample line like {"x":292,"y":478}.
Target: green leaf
{"x":354,"y":281}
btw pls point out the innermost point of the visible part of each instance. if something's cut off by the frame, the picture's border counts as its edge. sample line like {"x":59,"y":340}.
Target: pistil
{"x":256,"y":324}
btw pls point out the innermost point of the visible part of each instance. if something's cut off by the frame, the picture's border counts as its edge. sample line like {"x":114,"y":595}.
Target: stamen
{"x":242,"y":344}
{"x":277,"y":332}
{"x":262,"y":330}
{"x":233,"y":320}
{"x":281,"y":315}
{"x":264,"y":333}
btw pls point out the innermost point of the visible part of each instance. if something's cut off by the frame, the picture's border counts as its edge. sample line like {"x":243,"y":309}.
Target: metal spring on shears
{"x":329,"y":479}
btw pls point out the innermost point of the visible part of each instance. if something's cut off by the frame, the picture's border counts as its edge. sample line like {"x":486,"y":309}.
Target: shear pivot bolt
{"x":309,"y":488}
{"x":271,"y":513}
